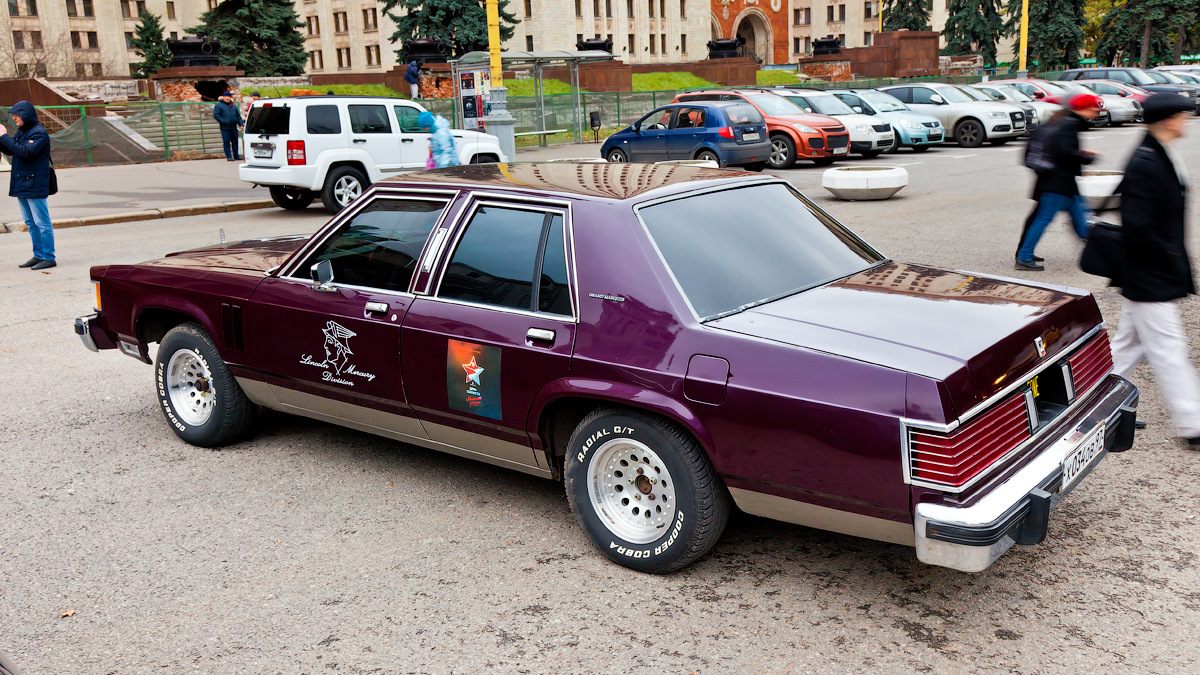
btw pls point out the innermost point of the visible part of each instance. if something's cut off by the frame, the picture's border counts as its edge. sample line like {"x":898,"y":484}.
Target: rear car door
{"x":371,"y":130}
{"x":686,"y":132}
{"x":497,"y":326}
{"x":326,"y":130}
{"x":334,"y":352}
{"x":414,"y":143}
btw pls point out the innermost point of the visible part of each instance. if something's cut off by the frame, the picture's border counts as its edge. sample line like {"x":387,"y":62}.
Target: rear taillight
{"x":295,"y":152}
{"x":955,"y":458}
{"x":725,"y":132}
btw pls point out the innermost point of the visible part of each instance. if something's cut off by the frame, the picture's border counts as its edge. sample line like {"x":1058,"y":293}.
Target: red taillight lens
{"x":295,"y":152}
{"x":955,"y":458}
{"x":1091,"y":363}
{"x":725,"y":132}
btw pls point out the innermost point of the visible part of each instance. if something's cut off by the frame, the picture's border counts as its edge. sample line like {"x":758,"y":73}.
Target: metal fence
{"x":93,"y":135}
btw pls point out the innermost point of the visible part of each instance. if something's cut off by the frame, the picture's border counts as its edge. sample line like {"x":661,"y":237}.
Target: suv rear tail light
{"x":295,"y":152}
{"x":725,"y":132}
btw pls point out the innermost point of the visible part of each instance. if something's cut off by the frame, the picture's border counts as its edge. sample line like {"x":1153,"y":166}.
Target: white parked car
{"x":1004,"y":92}
{"x":334,"y":147}
{"x":970,"y":122}
{"x":869,"y":134}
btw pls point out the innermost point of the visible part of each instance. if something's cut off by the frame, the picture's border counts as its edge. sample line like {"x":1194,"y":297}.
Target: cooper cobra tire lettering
{"x":231,"y":413}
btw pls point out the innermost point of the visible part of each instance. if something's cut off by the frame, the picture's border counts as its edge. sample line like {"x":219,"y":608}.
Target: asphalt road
{"x":313,"y":549}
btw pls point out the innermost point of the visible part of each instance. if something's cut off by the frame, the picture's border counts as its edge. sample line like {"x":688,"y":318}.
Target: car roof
{"x":600,"y":180}
{"x":309,"y":98}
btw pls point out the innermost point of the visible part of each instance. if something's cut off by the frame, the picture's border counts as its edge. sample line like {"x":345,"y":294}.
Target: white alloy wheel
{"x":631,"y":490}
{"x":347,"y":189}
{"x":189,"y":384}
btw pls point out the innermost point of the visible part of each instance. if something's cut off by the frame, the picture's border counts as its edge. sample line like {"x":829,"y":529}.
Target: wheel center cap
{"x":202,"y":385}
{"x":643,"y":484}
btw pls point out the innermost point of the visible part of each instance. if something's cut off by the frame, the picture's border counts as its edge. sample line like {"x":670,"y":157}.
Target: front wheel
{"x":198,"y":395}
{"x":783,"y":152}
{"x":709,"y":156}
{"x":616,"y":156}
{"x":342,"y":186}
{"x":292,"y":199}
{"x":969,"y":134}
{"x":643,"y":490}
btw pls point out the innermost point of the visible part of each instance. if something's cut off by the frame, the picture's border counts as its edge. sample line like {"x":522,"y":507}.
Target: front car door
{"x":414,"y":142}
{"x":371,"y":130}
{"x":922,"y":100}
{"x":334,"y":353}
{"x":497,"y":326}
{"x":686,"y":132}
{"x":650,"y":142}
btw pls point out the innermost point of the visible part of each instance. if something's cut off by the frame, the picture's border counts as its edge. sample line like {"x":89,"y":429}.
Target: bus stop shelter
{"x":539,"y":61}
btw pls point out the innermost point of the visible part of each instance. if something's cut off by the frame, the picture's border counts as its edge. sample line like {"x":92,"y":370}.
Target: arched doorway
{"x":716,"y":27}
{"x":753,"y":27}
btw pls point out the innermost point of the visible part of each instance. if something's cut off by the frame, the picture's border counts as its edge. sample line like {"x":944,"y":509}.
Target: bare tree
{"x":40,"y":55}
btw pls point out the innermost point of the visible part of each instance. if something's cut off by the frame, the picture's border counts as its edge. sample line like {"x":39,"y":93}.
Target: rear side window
{"x":903,"y":93}
{"x":273,"y":120}
{"x":323,"y":119}
{"x":369,"y":119}
{"x":743,"y":113}
{"x":406,"y":117}
{"x":379,"y":246}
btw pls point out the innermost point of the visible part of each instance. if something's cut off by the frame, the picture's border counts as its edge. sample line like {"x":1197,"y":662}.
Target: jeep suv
{"x":336,"y":146}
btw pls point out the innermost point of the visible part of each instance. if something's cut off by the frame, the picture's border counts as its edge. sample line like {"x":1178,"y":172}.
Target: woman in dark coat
{"x":30,"y":181}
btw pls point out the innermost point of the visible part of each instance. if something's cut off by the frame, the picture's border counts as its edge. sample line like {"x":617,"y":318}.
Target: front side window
{"x":323,"y":119}
{"x":734,"y":249}
{"x":369,"y":119}
{"x":510,"y":257}
{"x":406,"y":117}
{"x":380,"y":245}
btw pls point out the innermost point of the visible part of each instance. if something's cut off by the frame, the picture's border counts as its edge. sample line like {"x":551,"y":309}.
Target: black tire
{"x":920,"y":148}
{"x":199,"y":372}
{"x":999,"y":141}
{"x":969,"y":134}
{"x":337,"y":192}
{"x":617,"y":156}
{"x":709,"y":156}
{"x":1116,"y":124}
{"x":871,"y":154}
{"x":292,"y":199}
{"x":755,"y":166}
{"x":824,"y":161}
{"x":693,"y":519}
{"x":484,"y":159}
{"x":783,"y":152}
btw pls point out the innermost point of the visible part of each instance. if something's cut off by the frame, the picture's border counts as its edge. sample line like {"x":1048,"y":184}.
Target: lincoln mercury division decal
{"x":473,"y":378}
{"x":337,"y":364}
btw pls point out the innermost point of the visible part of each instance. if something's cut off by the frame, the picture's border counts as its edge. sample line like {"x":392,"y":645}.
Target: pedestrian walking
{"x":1059,"y":192}
{"x":412,"y":75}
{"x":442,"y":151}
{"x":32,"y":180}
{"x":229,"y":118}
{"x":1037,"y":160}
{"x":1155,"y":269}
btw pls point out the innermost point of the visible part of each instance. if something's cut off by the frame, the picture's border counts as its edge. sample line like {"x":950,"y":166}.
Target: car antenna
{"x":221,"y":234}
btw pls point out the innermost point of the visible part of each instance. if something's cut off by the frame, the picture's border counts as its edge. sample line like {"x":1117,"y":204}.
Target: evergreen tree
{"x":974,"y":26}
{"x":149,"y":43}
{"x":906,"y":15}
{"x":1055,"y":33}
{"x":461,"y":24}
{"x":260,"y":37}
{"x":1123,"y":29}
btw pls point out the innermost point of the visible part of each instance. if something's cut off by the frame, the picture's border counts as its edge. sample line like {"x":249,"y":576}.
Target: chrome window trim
{"x":906,"y":425}
{"x":481,"y":199}
{"x":734,"y":186}
{"x":1069,"y":381}
{"x":321,"y":237}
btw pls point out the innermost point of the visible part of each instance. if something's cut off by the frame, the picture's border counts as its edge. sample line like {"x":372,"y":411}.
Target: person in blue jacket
{"x":226,"y":113}
{"x":412,"y":75}
{"x":30,"y":181}
{"x":441,"y":139}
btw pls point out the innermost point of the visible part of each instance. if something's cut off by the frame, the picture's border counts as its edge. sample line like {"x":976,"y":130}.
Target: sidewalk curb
{"x":150,"y":214}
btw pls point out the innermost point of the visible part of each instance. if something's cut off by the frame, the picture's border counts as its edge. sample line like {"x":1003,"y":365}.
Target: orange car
{"x":794,"y":133}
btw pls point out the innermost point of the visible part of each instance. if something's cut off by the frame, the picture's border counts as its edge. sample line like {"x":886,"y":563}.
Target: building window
{"x":92,"y":42}
{"x":71,"y":11}
{"x":683,"y":9}
{"x":795,"y":45}
{"x":13,"y":10}
{"x":174,"y":35}
{"x":578,"y":38}
{"x":663,"y":42}
{"x":631,"y":43}
{"x":97,"y":70}
{"x":141,"y":7}
{"x":651,"y":2}
{"x":868,"y":7}
{"x":802,"y":17}
{"x":18,"y":39}
{"x":370,"y":19}
{"x":867,"y":39}
{"x":128,"y":40}
{"x":171,"y":11}
{"x":314,"y":25}
{"x":653,"y":45}
{"x":316,"y":60}
{"x":80,"y":70}
{"x":372,"y":56}
{"x":76,"y":42}
{"x":683,"y":43}
{"x":608,"y":9}
{"x":35,"y":39}
{"x":343,"y":57}
{"x":829,"y":14}
{"x":529,"y":8}
{"x":841,"y":39}
{"x":340,"y":25}
{"x":807,"y":45}
{"x":87,"y":8}
{"x":31,"y":7}
{"x":629,"y":8}
{"x":126,"y":9}
{"x":662,"y":9}
{"x":841,"y":12}
{"x":596,"y":8}
{"x":212,"y":4}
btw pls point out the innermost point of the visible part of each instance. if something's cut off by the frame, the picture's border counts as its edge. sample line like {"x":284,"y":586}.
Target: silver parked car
{"x":1032,"y":121}
{"x":1003,"y":92}
{"x":1119,"y":99}
{"x":970,"y":122}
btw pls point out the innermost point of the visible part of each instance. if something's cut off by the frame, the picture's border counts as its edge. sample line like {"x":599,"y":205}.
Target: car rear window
{"x":323,"y":119}
{"x":734,"y":249}
{"x":272,"y":120}
{"x":742,"y":113}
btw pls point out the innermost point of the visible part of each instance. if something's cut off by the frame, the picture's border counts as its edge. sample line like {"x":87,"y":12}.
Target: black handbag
{"x":52,"y":184}
{"x":1102,"y":252}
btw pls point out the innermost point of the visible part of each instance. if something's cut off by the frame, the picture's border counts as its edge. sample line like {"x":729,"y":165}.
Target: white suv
{"x":335,"y":146}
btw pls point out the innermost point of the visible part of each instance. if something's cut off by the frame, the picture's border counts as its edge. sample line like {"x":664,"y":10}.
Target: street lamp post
{"x":1022,"y":66}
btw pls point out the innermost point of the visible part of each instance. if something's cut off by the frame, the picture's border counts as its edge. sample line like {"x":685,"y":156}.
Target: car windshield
{"x":882,"y":102}
{"x":734,"y":249}
{"x":1171,"y":77}
{"x":1015,"y":94}
{"x":826,"y":104}
{"x":976,"y":94}
{"x":775,"y":105}
{"x":1187,"y":77}
{"x":953,"y":95}
{"x":1141,"y":77}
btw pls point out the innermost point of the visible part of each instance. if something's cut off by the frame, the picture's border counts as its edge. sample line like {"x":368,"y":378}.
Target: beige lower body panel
{"x":823,"y":518}
{"x":397,"y":427}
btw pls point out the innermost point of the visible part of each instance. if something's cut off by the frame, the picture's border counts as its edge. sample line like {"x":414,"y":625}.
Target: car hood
{"x":975,"y":333}
{"x":987,"y":106}
{"x":253,"y":256}
{"x":857,"y":118}
{"x":811,"y":119}
{"x":474,"y":136}
{"x":901,"y":115}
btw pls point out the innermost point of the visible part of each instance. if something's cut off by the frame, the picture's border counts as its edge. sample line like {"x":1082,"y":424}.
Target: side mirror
{"x":1038,"y":95}
{"x":1122,"y":93}
{"x":937,"y":98}
{"x":856,"y":108}
{"x":322,"y":276}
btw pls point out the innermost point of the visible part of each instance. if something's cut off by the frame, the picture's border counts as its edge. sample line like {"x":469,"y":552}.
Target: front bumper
{"x":1017,"y":511}
{"x":94,"y":336}
{"x":923,"y":136}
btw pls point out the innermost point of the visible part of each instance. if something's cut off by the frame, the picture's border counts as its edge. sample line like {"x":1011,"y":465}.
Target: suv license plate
{"x":263,"y":150}
{"x":840,"y":151}
{"x":750,"y":137}
{"x":1082,"y":457}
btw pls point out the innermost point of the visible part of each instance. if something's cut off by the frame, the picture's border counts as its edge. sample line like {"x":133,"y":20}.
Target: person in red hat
{"x":1060,"y":193}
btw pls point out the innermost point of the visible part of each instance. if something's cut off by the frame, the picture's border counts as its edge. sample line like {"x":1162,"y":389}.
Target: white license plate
{"x":1082,"y":457}
{"x":840,"y":151}
{"x":262,"y":154}
{"x":750,"y":137}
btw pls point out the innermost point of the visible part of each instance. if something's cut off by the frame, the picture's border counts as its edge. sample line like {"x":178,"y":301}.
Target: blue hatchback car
{"x":913,"y":129}
{"x":730,"y":133}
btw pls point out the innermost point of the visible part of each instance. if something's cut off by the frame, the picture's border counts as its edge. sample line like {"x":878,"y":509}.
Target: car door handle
{"x":360,"y":140}
{"x":406,"y":140}
{"x":376,"y":307}
{"x":540,"y":335}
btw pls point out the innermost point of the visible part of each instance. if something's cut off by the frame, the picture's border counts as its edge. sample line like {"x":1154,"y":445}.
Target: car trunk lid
{"x":268,"y":128}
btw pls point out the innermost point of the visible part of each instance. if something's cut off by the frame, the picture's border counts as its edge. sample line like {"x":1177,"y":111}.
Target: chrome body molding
{"x":994,"y":522}
{"x":822,"y":517}
{"x":396,"y":427}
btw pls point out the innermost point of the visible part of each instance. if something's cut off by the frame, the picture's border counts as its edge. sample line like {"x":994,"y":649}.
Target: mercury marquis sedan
{"x":670,"y":341}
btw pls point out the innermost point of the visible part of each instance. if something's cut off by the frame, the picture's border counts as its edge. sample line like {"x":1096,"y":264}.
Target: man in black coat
{"x":30,"y":181}
{"x":1156,"y":271}
{"x":230,"y":118}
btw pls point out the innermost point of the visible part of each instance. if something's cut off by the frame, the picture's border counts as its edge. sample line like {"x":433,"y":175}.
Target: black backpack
{"x":1037,"y":151}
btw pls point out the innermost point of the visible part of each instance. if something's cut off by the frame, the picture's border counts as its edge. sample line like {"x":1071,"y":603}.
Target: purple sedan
{"x":670,"y":341}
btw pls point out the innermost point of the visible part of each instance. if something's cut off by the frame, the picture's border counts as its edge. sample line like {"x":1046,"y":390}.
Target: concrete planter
{"x":864,"y":183}
{"x":1097,"y":188}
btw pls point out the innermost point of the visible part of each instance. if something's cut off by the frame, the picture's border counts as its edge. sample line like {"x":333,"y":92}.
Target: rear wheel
{"x":199,"y":396}
{"x":292,"y":199}
{"x":709,"y":156}
{"x":969,"y":134}
{"x":616,"y":156}
{"x":342,"y":186}
{"x":783,"y":152}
